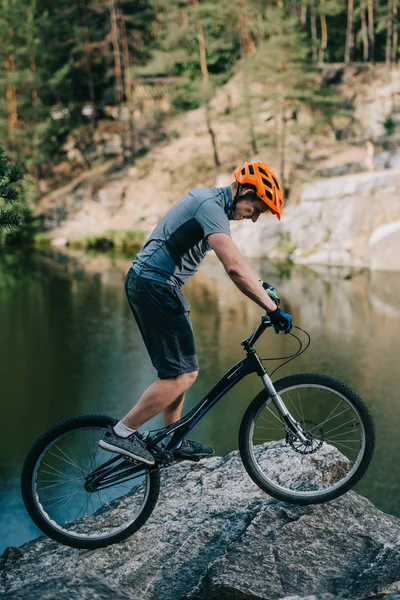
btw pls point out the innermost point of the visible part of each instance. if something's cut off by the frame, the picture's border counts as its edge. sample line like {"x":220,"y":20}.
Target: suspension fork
{"x":280,"y":406}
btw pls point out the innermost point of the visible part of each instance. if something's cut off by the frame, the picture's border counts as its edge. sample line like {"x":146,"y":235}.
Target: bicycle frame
{"x":251,"y":363}
{"x":113,"y":470}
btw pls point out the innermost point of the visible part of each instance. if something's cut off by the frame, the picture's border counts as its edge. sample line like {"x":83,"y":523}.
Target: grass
{"x":124,"y":239}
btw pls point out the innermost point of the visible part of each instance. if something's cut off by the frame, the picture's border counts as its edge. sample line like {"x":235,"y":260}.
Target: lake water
{"x":69,"y":345}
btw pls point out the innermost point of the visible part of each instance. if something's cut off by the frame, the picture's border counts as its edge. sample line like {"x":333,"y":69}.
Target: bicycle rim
{"x":63,"y":501}
{"x":337,"y":436}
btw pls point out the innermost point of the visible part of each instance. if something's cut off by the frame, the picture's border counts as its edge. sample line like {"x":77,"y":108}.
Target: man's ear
{"x":247,"y":191}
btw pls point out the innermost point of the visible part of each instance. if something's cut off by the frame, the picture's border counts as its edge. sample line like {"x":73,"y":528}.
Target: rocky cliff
{"x":336,"y":219}
{"x":215,"y":535}
{"x":353,"y":220}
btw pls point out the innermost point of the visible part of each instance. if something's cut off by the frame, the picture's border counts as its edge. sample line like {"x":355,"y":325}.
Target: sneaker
{"x":131,"y":446}
{"x":191,"y":449}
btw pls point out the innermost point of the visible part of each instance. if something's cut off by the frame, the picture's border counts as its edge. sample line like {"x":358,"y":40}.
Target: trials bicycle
{"x":303,"y":439}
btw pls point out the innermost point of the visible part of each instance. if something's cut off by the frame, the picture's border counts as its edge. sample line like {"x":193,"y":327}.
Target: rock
{"x":84,"y":586}
{"x":59,"y":242}
{"x":302,"y":554}
{"x":111,"y":197}
{"x":215,"y":535}
{"x":11,"y":553}
{"x":334,"y":224}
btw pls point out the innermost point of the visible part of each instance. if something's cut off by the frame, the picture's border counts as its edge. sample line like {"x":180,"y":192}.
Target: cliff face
{"x":352,"y":220}
{"x":136,"y":197}
{"x":215,"y":535}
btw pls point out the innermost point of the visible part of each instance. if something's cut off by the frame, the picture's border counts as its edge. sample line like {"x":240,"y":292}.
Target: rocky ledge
{"x":215,"y":535}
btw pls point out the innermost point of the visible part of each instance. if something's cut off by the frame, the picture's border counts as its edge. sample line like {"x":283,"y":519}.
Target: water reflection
{"x":69,"y":345}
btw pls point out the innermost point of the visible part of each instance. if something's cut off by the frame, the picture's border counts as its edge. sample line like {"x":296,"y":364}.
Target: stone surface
{"x":214,"y":534}
{"x":84,"y":586}
{"x":347,"y":221}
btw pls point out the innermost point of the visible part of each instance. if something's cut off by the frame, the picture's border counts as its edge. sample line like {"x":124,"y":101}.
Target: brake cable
{"x":300,"y":350}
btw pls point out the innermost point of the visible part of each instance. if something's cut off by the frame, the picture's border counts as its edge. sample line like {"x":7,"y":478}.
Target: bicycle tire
{"x":27,"y":485}
{"x":245,"y":442}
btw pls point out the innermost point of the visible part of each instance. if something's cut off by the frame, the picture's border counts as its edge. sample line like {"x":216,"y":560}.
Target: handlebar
{"x":265,"y":323}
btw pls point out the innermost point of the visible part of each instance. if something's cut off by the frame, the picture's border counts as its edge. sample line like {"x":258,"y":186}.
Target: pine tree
{"x":282,"y":62}
{"x":9,"y":174}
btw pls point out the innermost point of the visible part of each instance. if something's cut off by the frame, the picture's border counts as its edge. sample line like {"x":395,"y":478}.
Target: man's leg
{"x":173,"y":412}
{"x":164,"y":394}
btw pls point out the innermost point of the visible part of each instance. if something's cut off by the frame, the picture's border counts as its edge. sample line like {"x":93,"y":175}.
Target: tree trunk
{"x":249,"y":108}
{"x":395,"y":32}
{"x":35,"y":140}
{"x":212,"y":135}
{"x":117,"y":53}
{"x":202,"y":45}
{"x":371,"y":30}
{"x":11,"y":92}
{"x":247,"y":49}
{"x":247,"y":46}
{"x":303,"y":14}
{"x":11,"y":95}
{"x":313,"y":23}
{"x":282,"y":143}
{"x":128,"y":94}
{"x":349,"y":49}
{"x":88,"y":62}
{"x":389,"y":33}
{"x":206,"y":79}
{"x":324,"y":33}
{"x":364,"y":32}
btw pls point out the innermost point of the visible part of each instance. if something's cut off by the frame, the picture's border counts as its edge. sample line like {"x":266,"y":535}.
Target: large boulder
{"x":214,"y":534}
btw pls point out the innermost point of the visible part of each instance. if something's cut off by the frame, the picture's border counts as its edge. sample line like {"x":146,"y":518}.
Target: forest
{"x":68,"y":67}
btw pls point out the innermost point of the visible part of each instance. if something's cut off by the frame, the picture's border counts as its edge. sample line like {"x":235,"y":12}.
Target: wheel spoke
{"x":332,"y":424}
{"x":70,"y":503}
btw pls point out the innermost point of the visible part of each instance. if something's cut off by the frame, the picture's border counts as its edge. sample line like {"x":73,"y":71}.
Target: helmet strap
{"x":236,"y":199}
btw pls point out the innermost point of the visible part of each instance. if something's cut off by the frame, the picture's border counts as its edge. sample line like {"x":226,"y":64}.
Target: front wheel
{"x":340,"y":440}
{"x":81,"y":495}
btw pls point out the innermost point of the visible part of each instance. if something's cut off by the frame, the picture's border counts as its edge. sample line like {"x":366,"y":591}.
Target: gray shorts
{"x":162,"y":314}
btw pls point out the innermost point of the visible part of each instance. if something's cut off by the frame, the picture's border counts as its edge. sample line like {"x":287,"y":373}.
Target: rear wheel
{"x":81,"y":495}
{"x":340,"y":435}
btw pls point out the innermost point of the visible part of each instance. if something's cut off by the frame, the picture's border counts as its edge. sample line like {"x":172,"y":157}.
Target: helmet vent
{"x":276,"y":183}
{"x":267,"y":183}
{"x":243,"y":171}
{"x":268,"y":194}
{"x":251,"y":169}
{"x":262,"y":171}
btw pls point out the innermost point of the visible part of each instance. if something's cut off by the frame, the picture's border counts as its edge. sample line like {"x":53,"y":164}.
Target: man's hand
{"x":280,"y":320}
{"x":271,"y":291}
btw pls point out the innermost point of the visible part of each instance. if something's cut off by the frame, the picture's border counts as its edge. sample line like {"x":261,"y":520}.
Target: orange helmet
{"x":267,"y":186}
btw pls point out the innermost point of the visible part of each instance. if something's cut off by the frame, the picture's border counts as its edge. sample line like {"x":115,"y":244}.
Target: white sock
{"x":122,"y":430}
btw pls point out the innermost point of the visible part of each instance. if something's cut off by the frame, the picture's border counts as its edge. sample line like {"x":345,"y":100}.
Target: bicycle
{"x":80,"y":496}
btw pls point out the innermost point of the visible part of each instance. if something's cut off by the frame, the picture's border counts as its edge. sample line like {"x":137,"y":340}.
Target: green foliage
{"x":41,"y":240}
{"x":11,"y":215}
{"x":390,"y":126}
{"x":186,"y":96}
{"x":59,"y":55}
{"x":121,"y":239}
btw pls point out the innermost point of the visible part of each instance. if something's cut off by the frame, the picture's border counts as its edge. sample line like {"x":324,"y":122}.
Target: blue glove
{"x":280,"y":320}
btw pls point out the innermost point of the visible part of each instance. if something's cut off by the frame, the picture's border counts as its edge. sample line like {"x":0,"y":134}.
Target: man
{"x":197,"y":223}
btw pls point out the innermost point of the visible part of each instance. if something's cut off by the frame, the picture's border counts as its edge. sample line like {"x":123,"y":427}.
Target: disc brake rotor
{"x":312,"y":431}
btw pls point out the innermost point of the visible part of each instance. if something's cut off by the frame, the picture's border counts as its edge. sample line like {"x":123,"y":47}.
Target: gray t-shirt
{"x":178,"y":244}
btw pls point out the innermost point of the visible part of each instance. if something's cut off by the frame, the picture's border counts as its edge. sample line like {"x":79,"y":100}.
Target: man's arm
{"x":239,"y":271}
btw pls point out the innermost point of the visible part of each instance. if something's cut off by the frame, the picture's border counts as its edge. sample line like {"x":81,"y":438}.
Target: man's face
{"x":249,"y":207}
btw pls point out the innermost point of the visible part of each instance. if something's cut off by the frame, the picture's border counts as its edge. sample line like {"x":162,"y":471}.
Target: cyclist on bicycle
{"x":196,"y":224}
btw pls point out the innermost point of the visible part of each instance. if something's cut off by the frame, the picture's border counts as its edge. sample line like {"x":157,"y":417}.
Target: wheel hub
{"x":312,"y":431}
